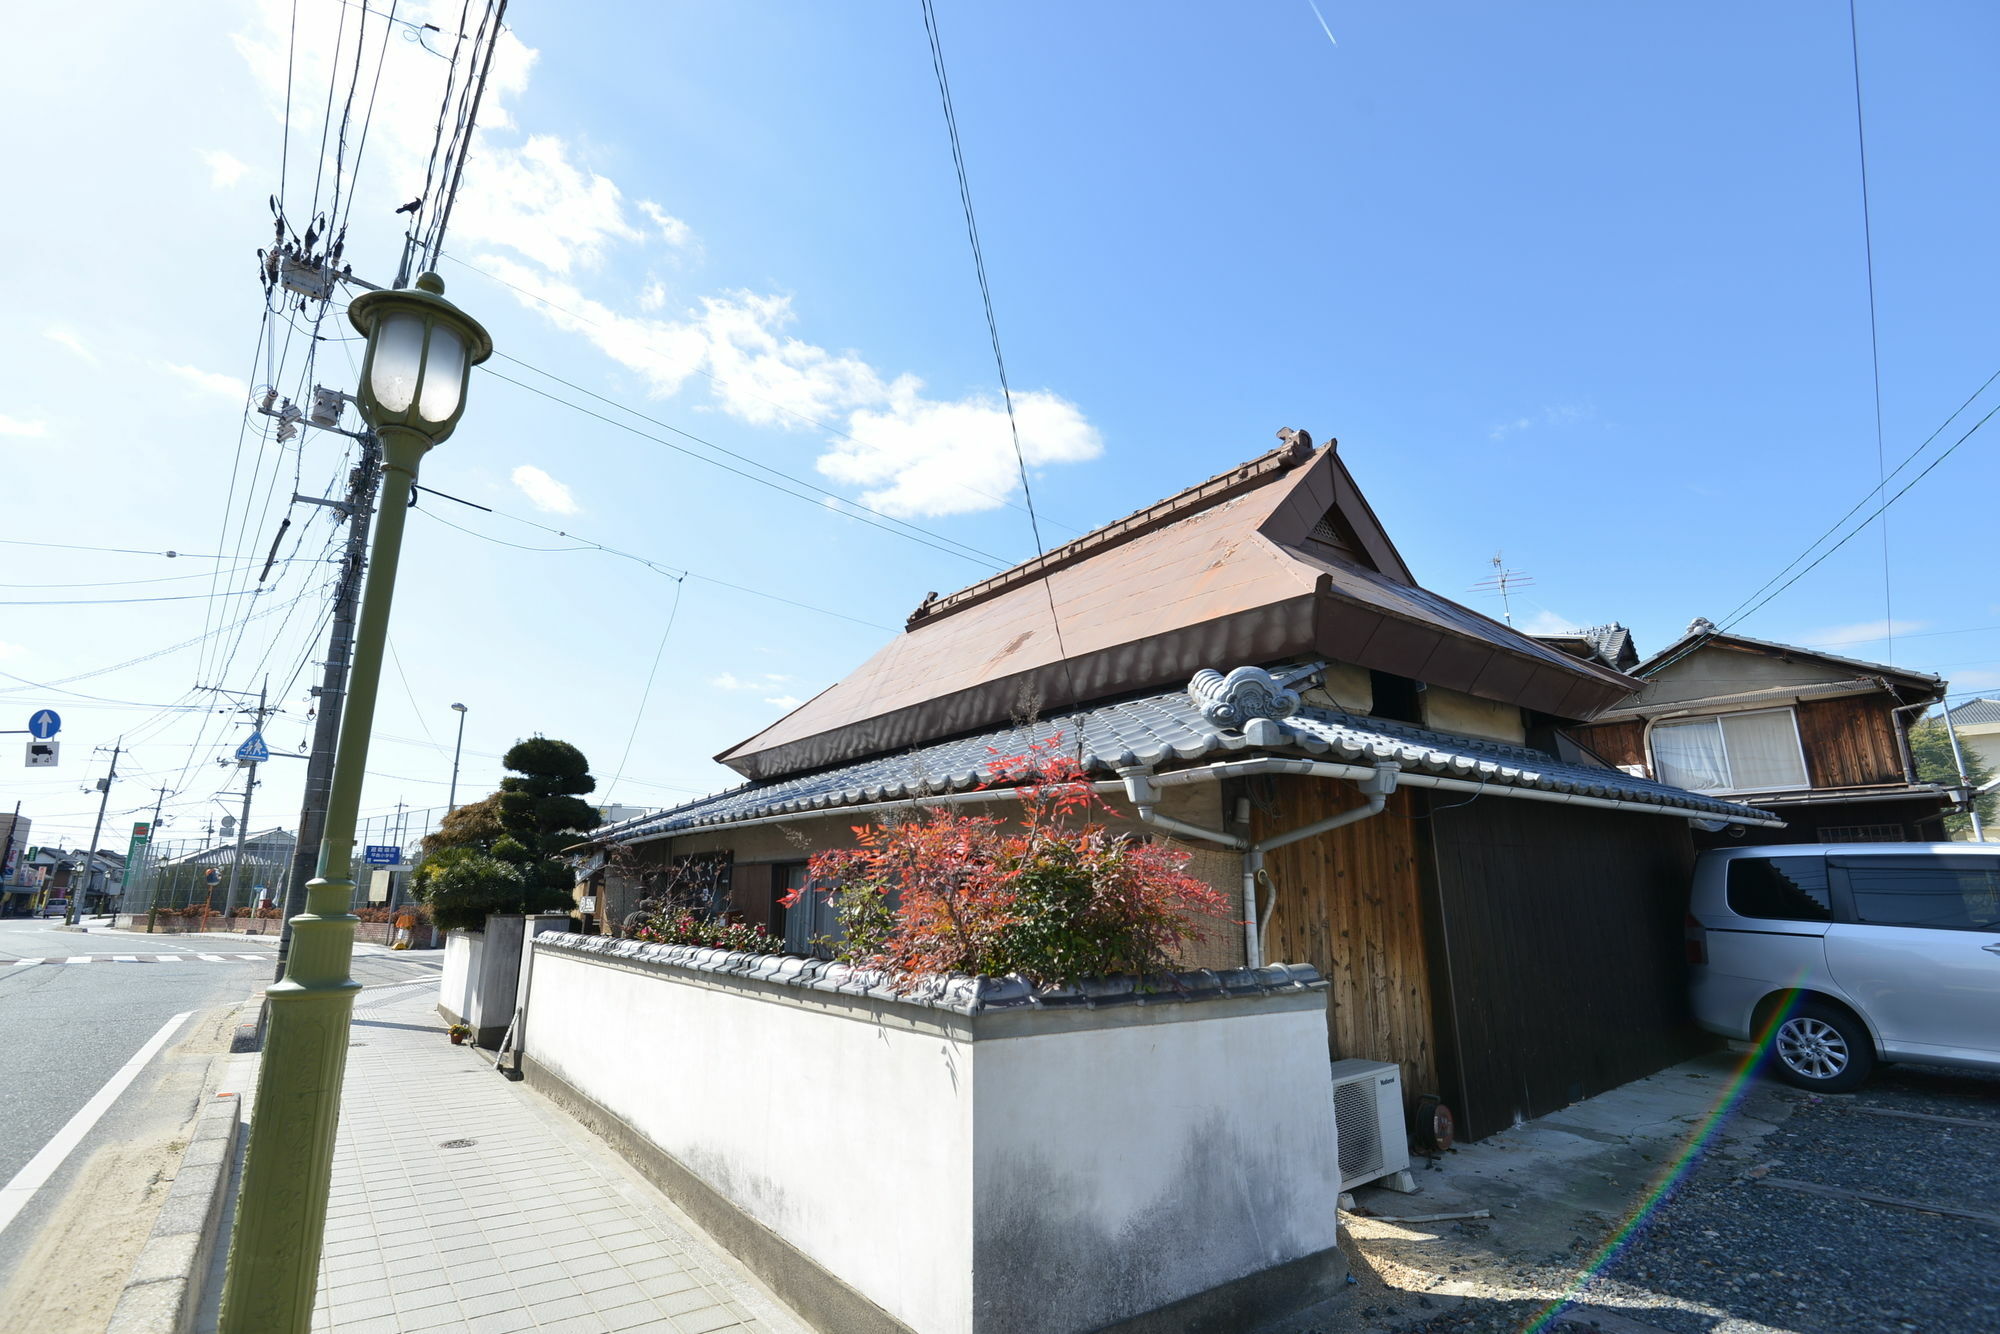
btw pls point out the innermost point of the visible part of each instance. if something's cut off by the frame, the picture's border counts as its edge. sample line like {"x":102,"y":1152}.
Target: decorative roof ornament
{"x":1701,"y":625}
{"x":1247,"y":693}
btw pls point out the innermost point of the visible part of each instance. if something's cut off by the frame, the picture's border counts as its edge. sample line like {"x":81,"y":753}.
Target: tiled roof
{"x":1977,"y":711}
{"x":1231,"y":570}
{"x":1166,"y":730}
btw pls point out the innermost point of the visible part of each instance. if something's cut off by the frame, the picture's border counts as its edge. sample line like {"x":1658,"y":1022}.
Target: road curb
{"x":165,"y":1288}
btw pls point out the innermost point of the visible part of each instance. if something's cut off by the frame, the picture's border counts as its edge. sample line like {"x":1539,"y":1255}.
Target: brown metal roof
{"x":1279,"y":557}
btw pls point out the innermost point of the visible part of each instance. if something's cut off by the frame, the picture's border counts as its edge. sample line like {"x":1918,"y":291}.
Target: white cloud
{"x":57,"y":334}
{"x":536,"y":201}
{"x":224,"y":169}
{"x":213,"y":381}
{"x":544,"y":491}
{"x":920,"y":456}
{"x":785,"y":702}
{"x":1859,"y":633}
{"x":1979,"y":678}
{"x":1560,"y":414}
{"x":535,"y":214}
{"x":16,"y":426}
{"x":914,"y":455}
{"x":731,"y":681}
{"x":676,"y":232}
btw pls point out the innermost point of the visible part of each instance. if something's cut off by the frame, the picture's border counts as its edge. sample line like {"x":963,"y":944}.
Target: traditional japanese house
{"x":1251,"y":671}
{"x":1818,"y":740}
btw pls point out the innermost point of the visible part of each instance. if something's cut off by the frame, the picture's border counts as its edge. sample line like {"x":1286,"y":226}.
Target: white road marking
{"x":19,"y":962}
{"x":78,"y":958}
{"x":124,"y":958}
{"x":211,"y":958}
{"x":253,"y":956}
{"x":171,"y":958}
{"x":14,"y":1196}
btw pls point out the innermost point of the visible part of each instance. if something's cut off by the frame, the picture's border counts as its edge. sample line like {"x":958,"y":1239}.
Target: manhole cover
{"x":458,"y":1144}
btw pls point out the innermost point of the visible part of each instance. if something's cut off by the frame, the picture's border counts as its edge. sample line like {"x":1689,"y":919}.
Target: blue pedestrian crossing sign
{"x":384,"y":854}
{"x":44,"y":724}
{"x":253,"y":751}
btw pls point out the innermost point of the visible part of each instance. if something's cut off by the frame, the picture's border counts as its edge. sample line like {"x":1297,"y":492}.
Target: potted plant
{"x":459,"y":1033}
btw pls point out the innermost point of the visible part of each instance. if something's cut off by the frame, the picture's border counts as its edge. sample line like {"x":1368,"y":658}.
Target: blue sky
{"x":1580,"y":283}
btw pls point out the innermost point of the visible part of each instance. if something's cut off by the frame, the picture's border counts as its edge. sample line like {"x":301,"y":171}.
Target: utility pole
{"x":90,"y":852}
{"x":7,"y":849}
{"x":332,"y":689}
{"x":152,"y":840}
{"x":1958,"y":758}
{"x":263,"y":711}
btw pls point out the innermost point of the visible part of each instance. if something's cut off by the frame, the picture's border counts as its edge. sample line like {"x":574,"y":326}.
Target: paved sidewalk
{"x":464,"y":1202}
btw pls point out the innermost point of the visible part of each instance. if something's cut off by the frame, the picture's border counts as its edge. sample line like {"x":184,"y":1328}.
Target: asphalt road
{"x":1740,"y":1246}
{"x":70,"y":1026}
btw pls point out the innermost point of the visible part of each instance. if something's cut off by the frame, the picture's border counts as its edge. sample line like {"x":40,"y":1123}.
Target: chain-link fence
{"x":184,"y":873}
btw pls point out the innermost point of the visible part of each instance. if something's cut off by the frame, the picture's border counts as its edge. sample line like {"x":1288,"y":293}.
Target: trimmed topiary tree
{"x":542,"y":812}
{"x":504,"y":853}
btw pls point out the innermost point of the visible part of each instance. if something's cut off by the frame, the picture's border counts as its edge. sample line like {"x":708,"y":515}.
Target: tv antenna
{"x":1503,"y":582}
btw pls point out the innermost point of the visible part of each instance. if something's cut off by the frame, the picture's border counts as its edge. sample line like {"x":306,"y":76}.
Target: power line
{"x":639,"y":716}
{"x":993,"y":332}
{"x":123,"y":551}
{"x":1737,"y":618}
{"x":923,"y":536}
{"x":714,"y":379}
{"x":101,"y":602}
{"x":1874,"y":336}
{"x":660,"y":567}
{"x":436,"y":240}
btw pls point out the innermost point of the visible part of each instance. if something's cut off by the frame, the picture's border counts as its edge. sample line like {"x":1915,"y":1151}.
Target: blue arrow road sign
{"x":380,"y":855}
{"x":45,"y":724}
{"x":253,"y":751}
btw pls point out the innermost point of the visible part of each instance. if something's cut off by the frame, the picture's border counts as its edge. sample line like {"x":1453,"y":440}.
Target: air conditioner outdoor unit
{"x":1368,"y":1118}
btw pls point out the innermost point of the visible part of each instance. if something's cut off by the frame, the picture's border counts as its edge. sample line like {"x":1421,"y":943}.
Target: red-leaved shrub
{"x":1054,"y":897}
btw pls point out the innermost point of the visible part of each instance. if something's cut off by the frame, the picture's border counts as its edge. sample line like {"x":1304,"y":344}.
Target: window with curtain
{"x":1731,"y":752}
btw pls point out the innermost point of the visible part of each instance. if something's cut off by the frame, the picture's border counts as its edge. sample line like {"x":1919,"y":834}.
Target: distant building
{"x":1977,"y":722}
{"x":1816,"y":739}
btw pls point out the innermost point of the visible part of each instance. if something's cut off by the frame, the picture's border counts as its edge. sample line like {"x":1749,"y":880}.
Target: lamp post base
{"x":288,"y":1168}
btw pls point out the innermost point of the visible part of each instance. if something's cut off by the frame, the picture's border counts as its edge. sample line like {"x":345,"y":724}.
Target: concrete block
{"x":164,"y":1288}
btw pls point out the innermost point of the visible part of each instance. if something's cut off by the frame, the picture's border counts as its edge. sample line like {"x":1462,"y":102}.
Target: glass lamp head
{"x":421,"y":351}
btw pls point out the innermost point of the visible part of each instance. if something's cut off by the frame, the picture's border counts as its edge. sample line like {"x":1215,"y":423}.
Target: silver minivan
{"x":1854,"y":952}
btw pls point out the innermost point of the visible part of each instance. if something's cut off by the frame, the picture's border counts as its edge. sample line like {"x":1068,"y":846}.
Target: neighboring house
{"x":1610,"y":645}
{"x":1507,"y":928}
{"x":1977,"y":722}
{"x":1818,"y":740}
{"x":59,"y":874}
{"x":17,"y":886}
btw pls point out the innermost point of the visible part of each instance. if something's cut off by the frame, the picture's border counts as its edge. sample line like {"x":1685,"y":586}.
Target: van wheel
{"x":1823,"y":1048}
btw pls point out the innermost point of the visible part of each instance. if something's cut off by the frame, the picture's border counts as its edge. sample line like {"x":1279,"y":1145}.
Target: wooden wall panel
{"x":1350,"y":903}
{"x":1850,"y":741}
{"x":1563,"y":948}
{"x":1614,"y":743}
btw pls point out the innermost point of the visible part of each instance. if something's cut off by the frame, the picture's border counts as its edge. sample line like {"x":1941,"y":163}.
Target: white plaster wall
{"x":462,"y":951}
{"x":1053,"y":1181}
{"x":851,"y":1139}
{"x":1123,"y":1168}
{"x":491,"y":1003}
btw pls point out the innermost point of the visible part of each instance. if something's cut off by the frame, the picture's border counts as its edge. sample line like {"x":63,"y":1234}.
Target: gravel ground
{"x":1730,"y":1254}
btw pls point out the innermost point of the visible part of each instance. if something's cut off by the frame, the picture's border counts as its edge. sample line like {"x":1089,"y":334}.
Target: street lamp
{"x":421,"y":351}
{"x":451,"y":802}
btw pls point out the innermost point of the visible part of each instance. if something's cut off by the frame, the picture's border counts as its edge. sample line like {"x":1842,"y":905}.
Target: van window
{"x":1947,"y":893}
{"x":1791,"y":889}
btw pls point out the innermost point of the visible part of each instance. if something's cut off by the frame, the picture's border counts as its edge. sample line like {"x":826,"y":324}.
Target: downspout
{"x":1141,"y":790}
